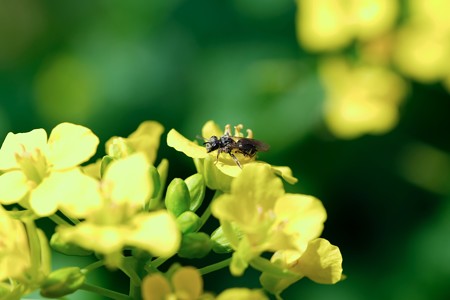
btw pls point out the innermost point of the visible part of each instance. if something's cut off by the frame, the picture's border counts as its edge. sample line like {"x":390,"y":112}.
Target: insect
{"x":231,"y":145}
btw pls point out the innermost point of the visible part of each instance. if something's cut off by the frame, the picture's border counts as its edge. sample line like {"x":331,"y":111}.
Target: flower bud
{"x":62,"y":282}
{"x":197,"y":187}
{"x":188,"y":222}
{"x":220,"y":244}
{"x":67,"y":248}
{"x":154,"y":177}
{"x":106,"y":160}
{"x":118,"y":147}
{"x":177,"y":197}
{"x":195,"y":245}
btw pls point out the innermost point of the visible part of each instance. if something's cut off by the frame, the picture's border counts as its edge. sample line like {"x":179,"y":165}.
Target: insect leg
{"x":235,"y":160}
{"x":217,"y":157}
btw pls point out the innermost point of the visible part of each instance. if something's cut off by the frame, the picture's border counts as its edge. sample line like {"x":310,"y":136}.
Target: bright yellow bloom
{"x":218,"y":172}
{"x":14,"y":249}
{"x":257,"y":216}
{"x":24,"y":256}
{"x":145,"y":139}
{"x":118,"y":220}
{"x":324,"y":25}
{"x":320,"y":262}
{"x":360,"y":99}
{"x":423,"y":48}
{"x":29,"y":160}
{"x":186,"y":283}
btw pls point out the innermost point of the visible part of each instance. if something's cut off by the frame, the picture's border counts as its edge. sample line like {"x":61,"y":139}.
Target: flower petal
{"x":71,"y":191}
{"x":156,"y":232}
{"x":155,"y":287}
{"x":187,"y":283}
{"x":127,"y":180}
{"x":146,"y":139}
{"x":18,"y":143}
{"x":321,"y":262}
{"x":303,"y":217}
{"x":182,"y":144}
{"x":71,"y":145}
{"x":102,"y":239}
{"x":13,"y":187}
{"x":211,"y":128}
{"x":285,"y":173}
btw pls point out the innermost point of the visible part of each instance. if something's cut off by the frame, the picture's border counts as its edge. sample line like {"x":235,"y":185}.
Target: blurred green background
{"x":110,"y":65}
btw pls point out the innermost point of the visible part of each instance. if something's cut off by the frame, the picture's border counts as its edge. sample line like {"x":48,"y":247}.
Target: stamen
{"x":249,"y":133}
{"x":237,"y":130}
{"x":227,"y":130}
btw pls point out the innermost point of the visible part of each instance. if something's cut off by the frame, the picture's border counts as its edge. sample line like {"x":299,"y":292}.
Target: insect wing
{"x":247,"y":143}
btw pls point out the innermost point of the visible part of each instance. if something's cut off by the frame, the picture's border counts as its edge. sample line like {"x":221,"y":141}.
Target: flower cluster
{"x":367,"y":50}
{"x":120,"y":209}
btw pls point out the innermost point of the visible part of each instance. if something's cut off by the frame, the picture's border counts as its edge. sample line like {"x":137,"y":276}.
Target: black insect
{"x":228,"y":144}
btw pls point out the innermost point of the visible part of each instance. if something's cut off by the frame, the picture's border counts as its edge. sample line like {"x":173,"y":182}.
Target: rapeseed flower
{"x":119,"y":220}
{"x":186,"y":283}
{"x":36,"y":171}
{"x":360,"y":99}
{"x":218,"y":171}
{"x":257,"y":216}
{"x":325,"y":25}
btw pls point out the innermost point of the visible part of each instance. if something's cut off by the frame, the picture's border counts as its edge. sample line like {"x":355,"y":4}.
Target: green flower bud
{"x":119,"y":147}
{"x":62,"y":282}
{"x":106,"y":160}
{"x":195,"y":245}
{"x":188,"y":222}
{"x":177,"y":197}
{"x":220,"y":244}
{"x":67,"y":248}
{"x":154,"y":177}
{"x":197,"y":187}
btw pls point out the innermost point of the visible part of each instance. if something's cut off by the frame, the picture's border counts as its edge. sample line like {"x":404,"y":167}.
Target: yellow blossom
{"x":257,"y":216}
{"x":320,"y":262}
{"x":324,"y":25}
{"x":145,"y":139}
{"x":119,"y":220}
{"x":29,"y":160}
{"x":360,"y":99}
{"x":185,"y":284}
{"x":14,"y":250}
{"x":241,"y":294}
{"x":24,"y":256}
{"x":218,"y":171}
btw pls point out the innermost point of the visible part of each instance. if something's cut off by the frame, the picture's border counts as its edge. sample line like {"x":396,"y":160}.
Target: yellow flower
{"x":24,"y":256}
{"x":145,"y":139}
{"x":14,"y":250}
{"x":29,"y":160}
{"x":241,"y":294}
{"x":320,"y":262}
{"x":185,"y":284}
{"x":324,"y":25}
{"x":422,"y":46}
{"x":119,"y":221}
{"x":257,"y":216}
{"x":218,"y":170}
{"x":360,"y":99}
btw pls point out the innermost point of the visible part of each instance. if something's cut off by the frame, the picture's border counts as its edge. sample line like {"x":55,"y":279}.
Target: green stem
{"x":94,"y":266}
{"x":104,"y":292}
{"x":58,"y":220}
{"x":35,"y":247}
{"x":128,"y":269}
{"x":214,"y":267}
{"x":158,"y":261}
